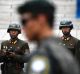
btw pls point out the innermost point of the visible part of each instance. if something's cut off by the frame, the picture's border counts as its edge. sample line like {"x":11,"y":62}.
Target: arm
{"x":22,"y":55}
{"x":2,"y":53}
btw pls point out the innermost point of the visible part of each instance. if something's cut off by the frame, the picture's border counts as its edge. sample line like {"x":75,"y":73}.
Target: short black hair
{"x":39,"y":7}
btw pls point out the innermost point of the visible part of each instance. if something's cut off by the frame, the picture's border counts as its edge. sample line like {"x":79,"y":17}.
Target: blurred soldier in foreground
{"x":67,"y":40}
{"x":49,"y":58}
{"x":13,"y":51}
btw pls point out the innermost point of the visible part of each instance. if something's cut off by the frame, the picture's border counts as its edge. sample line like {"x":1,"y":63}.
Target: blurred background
{"x":65,"y":10}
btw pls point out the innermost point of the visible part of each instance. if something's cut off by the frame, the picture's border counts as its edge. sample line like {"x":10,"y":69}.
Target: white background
{"x":65,"y":10}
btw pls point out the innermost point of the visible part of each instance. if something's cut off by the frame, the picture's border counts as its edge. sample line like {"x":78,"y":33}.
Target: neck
{"x":67,"y":35}
{"x":13,"y":39}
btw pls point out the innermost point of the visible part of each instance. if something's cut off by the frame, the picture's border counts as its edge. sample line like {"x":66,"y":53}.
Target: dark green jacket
{"x":78,"y":52}
{"x":11,"y":64}
{"x":70,"y":43}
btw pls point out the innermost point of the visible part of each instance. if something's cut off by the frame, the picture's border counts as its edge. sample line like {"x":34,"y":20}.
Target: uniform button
{"x":10,"y":47}
{"x":4,"y":47}
{"x":71,"y":44}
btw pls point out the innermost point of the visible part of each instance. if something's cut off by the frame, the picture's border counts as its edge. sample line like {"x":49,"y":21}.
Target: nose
{"x":13,"y":32}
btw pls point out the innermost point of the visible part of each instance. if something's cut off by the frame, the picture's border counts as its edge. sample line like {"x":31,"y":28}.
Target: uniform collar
{"x":13,"y":41}
{"x":66,"y":38}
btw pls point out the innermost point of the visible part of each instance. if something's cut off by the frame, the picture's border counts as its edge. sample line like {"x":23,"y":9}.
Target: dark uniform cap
{"x":66,"y":24}
{"x":14,"y":27}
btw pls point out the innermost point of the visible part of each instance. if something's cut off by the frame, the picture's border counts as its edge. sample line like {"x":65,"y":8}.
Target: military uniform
{"x":50,"y":58}
{"x":16,"y":64}
{"x":13,"y":64}
{"x":78,"y":52}
{"x":68,"y":41}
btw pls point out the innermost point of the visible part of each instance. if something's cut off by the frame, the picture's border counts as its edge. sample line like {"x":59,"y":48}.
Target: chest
{"x":68,"y":43}
{"x":11,"y":47}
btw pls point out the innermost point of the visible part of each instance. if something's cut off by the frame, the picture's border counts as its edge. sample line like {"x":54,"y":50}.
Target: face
{"x":31,"y":26}
{"x":66,"y":30}
{"x":13,"y":34}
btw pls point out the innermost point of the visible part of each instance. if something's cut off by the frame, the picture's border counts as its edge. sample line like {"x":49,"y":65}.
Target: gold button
{"x":10,"y":47}
{"x":71,"y":44}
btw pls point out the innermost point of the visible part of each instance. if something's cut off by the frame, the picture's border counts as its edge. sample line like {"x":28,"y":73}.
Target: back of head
{"x":37,"y":7}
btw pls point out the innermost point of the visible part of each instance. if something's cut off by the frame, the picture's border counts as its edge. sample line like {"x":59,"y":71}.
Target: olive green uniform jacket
{"x":14,"y":65}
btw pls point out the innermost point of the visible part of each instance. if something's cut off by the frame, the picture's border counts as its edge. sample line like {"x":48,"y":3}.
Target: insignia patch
{"x":39,"y":65}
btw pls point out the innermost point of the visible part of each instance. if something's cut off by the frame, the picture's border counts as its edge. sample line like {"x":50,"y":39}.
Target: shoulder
{"x":56,"y":40}
{"x":75,"y":39}
{"x":22,"y":42}
{"x":5,"y":42}
{"x":63,"y":56}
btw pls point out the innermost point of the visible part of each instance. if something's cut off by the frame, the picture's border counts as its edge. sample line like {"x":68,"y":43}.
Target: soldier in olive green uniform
{"x":13,"y":52}
{"x":67,"y":40}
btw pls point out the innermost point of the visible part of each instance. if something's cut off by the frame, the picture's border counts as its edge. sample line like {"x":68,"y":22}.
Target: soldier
{"x":13,"y":52}
{"x":67,"y":40}
{"x":49,"y":58}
